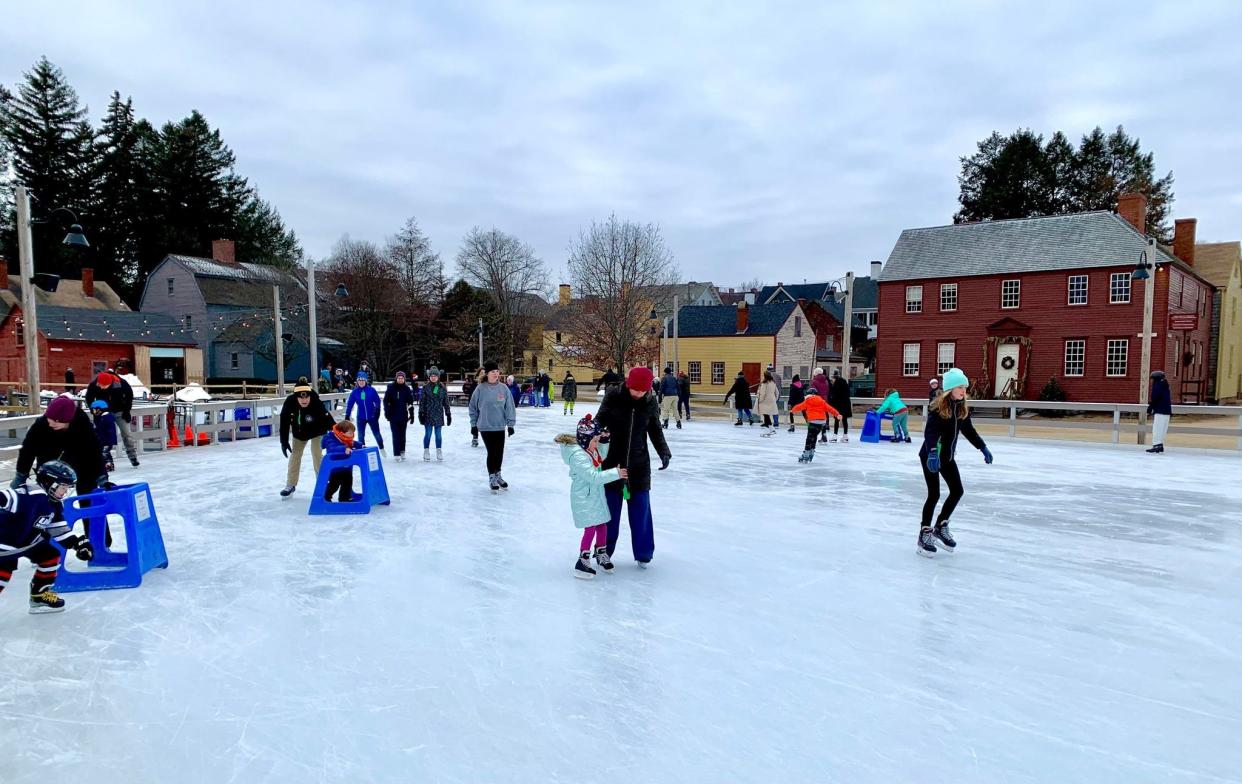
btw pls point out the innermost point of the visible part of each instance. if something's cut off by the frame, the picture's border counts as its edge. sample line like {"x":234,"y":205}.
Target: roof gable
{"x":710,"y":321}
{"x":1215,"y":261}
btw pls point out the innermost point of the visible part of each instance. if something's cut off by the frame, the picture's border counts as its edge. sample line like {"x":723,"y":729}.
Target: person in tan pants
{"x":303,"y":419}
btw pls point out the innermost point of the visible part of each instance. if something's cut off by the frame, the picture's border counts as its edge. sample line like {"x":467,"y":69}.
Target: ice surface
{"x":1087,"y":630}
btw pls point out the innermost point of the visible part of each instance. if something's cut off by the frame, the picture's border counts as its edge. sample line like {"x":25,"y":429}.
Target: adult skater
{"x":119,"y":395}
{"x":629,"y":413}
{"x":434,"y":413}
{"x":819,"y":382}
{"x":304,"y":419}
{"x":839,"y":398}
{"x":69,"y":379}
{"x":607,"y":380}
{"x":766,"y":406}
{"x":569,"y":393}
{"x":683,"y":393}
{"x":740,"y":392}
{"x":492,"y":414}
{"x":368,"y":402}
{"x":933,"y":389}
{"x":1161,"y":405}
{"x":948,"y":417}
{"x":398,"y":403}
{"x":780,"y":393}
{"x":797,"y":393}
{"x":669,"y":390}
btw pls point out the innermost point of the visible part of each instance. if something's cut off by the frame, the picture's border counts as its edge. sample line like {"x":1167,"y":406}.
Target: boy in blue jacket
{"x":367,"y":400}
{"x":339,"y":442}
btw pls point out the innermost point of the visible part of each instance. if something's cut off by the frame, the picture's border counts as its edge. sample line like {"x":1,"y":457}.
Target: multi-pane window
{"x":717,"y":372}
{"x":1011,"y":294}
{"x":948,"y":296}
{"x":696,"y":373}
{"x":1075,"y":357}
{"x":189,"y":323}
{"x":804,"y":371}
{"x":910,"y":359}
{"x":1118,"y":357}
{"x":1119,"y":288}
{"x":787,"y":372}
{"x":1078,"y":289}
{"x":945,"y":355}
{"x":172,"y":282}
{"x":234,"y":360}
{"x":914,"y":299}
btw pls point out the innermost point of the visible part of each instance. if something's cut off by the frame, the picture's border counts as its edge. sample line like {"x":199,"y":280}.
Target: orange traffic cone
{"x":173,"y":443}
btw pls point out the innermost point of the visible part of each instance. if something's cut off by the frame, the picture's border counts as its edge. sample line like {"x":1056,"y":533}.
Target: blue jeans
{"x":683,"y":402}
{"x":743,"y":415}
{"x":427,"y":435}
{"x":375,"y":428}
{"x":642,"y":534}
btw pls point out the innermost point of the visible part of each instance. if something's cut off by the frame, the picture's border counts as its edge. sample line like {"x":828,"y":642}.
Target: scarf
{"x":348,"y":441}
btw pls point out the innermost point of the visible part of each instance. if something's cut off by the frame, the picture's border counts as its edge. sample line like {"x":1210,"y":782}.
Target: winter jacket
{"x":607,"y":380}
{"x":892,"y":405}
{"x":669,"y":386}
{"x":683,"y":387}
{"x":780,"y":387}
{"x":368,"y":401}
{"x":816,"y":408}
{"x":491,"y":408}
{"x":304,"y":424}
{"x":569,"y":389}
{"x":119,"y":397}
{"x":105,"y":428}
{"x":515,"y":392}
{"x":740,"y":392}
{"x":28,"y":518}
{"x":630,"y":423}
{"x":1161,"y":398}
{"x":941,"y":434}
{"x":587,"y":480}
{"x":434,"y":409}
{"x":398,"y":400}
{"x":333,"y":445}
{"x":768,"y":396}
{"x":797,"y":393}
{"x":931,"y":393}
{"x":839,"y":397}
{"x":76,"y":445}
{"x":820,"y":384}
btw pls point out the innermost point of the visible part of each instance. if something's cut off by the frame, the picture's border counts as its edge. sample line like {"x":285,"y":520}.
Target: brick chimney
{"x":1184,"y":239}
{"x":566,"y":294}
{"x":1132,"y":207}
{"x":224,"y":251}
{"x":4,"y":273}
{"x":88,"y":282}
{"x":743,"y":317}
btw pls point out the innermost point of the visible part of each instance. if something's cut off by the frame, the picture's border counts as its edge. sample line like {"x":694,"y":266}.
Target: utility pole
{"x":30,"y":323}
{"x":1149,"y":306}
{"x":278,"y":335}
{"x":676,"y":358}
{"x":847,"y":345}
{"x":314,"y":337}
{"x":480,"y":342}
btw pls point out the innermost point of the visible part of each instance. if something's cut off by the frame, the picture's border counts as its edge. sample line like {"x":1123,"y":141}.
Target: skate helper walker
{"x":817,"y":411}
{"x":584,"y":453}
{"x":947,"y":417}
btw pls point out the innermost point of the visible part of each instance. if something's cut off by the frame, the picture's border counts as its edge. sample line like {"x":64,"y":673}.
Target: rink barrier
{"x":144,"y":543}
{"x":372,"y":490}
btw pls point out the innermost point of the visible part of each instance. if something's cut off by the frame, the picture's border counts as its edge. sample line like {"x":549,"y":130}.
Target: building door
{"x":1006,"y":366}
{"x":752,"y":371}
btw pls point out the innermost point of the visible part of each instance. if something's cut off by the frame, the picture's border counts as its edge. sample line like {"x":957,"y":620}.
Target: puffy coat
{"x":797,"y":393}
{"x":941,"y":434}
{"x":768,"y":395}
{"x":586,"y":491}
{"x":119,"y":397}
{"x":433,"y":409}
{"x":608,"y":379}
{"x":398,"y":399}
{"x":740,"y":392}
{"x":816,"y":408}
{"x":820,"y":384}
{"x":76,"y":445}
{"x":839,"y":396}
{"x":683,"y":387}
{"x":669,"y":386}
{"x":631,"y":422}
{"x":1161,"y":398}
{"x":304,"y":423}
{"x":569,"y":389}
{"x":333,"y":445}
{"x":367,"y":400}
{"x":892,"y":405}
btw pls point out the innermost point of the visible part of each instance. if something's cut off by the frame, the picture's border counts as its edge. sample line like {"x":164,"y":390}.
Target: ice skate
{"x":602,"y":559}
{"x":1158,"y":449}
{"x":846,"y":439}
{"x":46,"y":601}
{"x":426,"y":455}
{"x":805,"y":457}
{"x":500,"y":480}
{"x":439,"y":455}
{"x":679,"y":424}
{"x":907,"y":439}
{"x":791,"y":429}
{"x":133,"y":460}
{"x":943,"y":537}
{"x":927,"y":543}
{"x":288,"y":491}
{"x":833,"y":440}
{"x":474,"y":441}
{"x":666,"y":424}
{"x":491,"y":481}
{"x":644,"y":565}
{"x":737,"y":423}
{"x":582,"y":569}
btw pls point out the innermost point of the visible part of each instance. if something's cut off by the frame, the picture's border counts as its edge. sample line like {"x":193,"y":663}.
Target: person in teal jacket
{"x":583,"y":452}
{"x":894,"y":406}
{"x":367,"y":399}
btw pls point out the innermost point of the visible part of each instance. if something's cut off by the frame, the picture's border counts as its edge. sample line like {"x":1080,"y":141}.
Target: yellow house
{"x":715,"y":343}
{"x":556,"y":354}
{"x":1221,"y":264}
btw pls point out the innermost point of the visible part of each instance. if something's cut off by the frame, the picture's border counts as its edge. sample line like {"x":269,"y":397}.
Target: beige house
{"x":1221,"y":264}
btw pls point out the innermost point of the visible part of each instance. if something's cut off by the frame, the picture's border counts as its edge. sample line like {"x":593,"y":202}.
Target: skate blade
{"x":946,"y":548}
{"x":583,"y":575}
{"x":924,"y":553}
{"x":42,"y":610}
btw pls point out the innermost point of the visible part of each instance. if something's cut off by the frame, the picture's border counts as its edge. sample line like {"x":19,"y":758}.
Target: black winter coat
{"x":398,"y":399}
{"x":617,"y":413}
{"x":740,"y":394}
{"x":797,"y":392}
{"x":119,"y":397}
{"x":839,"y":397}
{"x":1161,"y":398}
{"x":569,"y":389}
{"x":607,"y":380}
{"x":77,"y":445}
{"x":683,"y":387}
{"x":306,"y":424}
{"x":942,"y":433}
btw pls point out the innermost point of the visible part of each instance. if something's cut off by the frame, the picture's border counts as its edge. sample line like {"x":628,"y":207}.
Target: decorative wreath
{"x":1007,"y":363}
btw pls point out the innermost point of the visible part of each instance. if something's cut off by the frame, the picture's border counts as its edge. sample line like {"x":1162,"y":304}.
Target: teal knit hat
{"x":953,"y":379}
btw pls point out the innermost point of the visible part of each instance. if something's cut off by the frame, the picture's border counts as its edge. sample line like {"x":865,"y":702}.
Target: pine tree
{"x":122,"y":186}
{"x":262,"y":237}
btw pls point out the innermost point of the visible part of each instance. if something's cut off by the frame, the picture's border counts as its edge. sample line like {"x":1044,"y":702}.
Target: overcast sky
{"x":770,"y":140}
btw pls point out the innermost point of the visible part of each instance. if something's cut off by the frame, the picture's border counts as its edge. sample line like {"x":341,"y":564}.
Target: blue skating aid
{"x":374,"y":489}
{"x":872,"y":426}
{"x":143,"y":541}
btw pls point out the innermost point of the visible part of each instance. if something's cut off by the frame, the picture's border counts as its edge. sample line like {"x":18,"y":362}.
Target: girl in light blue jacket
{"x":583,"y":453}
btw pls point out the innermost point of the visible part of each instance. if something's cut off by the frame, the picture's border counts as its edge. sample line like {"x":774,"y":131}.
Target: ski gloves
{"x":18,"y":481}
{"x":933,"y":461}
{"x":84,"y":550}
{"x":284,"y":447}
{"x":510,"y":431}
{"x":987,"y":455}
{"x":664,"y":461}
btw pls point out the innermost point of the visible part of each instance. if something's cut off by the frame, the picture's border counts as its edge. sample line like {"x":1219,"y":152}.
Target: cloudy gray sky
{"x":777,"y":140}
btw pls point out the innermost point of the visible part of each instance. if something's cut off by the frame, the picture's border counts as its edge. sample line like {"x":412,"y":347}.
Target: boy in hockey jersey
{"x":583,"y":452}
{"x":339,"y":442}
{"x":105,"y":429}
{"x":29,"y":521}
{"x":817,"y":411}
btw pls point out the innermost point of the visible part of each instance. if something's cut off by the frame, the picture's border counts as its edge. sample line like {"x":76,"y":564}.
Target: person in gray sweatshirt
{"x":491,"y":415}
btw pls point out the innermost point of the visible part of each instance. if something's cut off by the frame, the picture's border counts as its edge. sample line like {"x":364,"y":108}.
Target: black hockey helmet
{"x":53,"y":474}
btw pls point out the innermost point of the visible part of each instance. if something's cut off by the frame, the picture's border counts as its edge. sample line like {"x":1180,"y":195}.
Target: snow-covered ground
{"x":1088,"y":629}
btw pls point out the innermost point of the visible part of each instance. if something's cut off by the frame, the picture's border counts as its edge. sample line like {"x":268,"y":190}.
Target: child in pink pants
{"x":583,"y":452}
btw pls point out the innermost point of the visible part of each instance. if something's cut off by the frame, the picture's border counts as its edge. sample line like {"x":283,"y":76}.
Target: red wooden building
{"x":1015,"y":303}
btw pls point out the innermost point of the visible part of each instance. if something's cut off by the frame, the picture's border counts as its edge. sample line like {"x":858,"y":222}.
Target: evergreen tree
{"x":457,"y":326}
{"x":122,"y":188}
{"x":1010,"y":177}
{"x":262,"y":237}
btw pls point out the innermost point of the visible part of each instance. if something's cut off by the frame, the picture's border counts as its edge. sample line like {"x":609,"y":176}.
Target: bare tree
{"x":754,"y":284}
{"x":622,"y":272}
{"x":509,"y":270}
{"x":369,"y":321}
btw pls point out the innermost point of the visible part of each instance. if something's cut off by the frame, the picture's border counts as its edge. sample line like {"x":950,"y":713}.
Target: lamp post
{"x":1146,"y":271}
{"x":25,"y":253}
{"x":341,"y":292}
{"x":278,"y":338}
{"x":847,"y":336}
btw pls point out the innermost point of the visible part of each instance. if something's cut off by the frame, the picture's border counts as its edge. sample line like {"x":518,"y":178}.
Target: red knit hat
{"x":640,"y":378}
{"x":106,"y":379}
{"x":62,"y":409}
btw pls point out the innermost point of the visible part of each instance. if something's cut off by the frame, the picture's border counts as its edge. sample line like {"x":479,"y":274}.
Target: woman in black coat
{"x":839,"y":398}
{"x":797,"y":393}
{"x":740,"y":392}
{"x":398,"y":403}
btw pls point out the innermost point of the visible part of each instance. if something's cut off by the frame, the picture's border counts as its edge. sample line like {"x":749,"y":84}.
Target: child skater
{"x":817,"y":411}
{"x":893,"y":406}
{"x":584,"y":453}
{"x":105,"y":429}
{"x":947,"y":417}
{"x":338,"y":442}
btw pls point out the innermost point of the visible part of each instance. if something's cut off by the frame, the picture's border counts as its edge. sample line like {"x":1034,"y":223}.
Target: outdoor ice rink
{"x":1088,"y":629}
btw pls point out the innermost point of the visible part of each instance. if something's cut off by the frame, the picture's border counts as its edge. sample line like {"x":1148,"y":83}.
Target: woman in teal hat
{"x":947,"y":417}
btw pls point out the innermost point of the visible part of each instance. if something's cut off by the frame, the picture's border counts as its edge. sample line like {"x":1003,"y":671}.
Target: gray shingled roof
{"x":711,"y":321}
{"x":866,"y":292}
{"x":236,"y":271}
{"x":112,"y":326}
{"x":1060,"y":242}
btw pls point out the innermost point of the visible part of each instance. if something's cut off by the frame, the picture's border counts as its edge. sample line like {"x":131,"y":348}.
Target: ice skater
{"x":839,"y":398}
{"x":492,"y":414}
{"x":434,"y":414}
{"x":584,"y":453}
{"x":767,"y":406}
{"x":338,"y":443}
{"x":948,"y":417}
{"x":569,"y":393}
{"x":398,"y":403}
{"x":816,"y":410}
{"x":740,"y":392}
{"x":1161,"y":405}
{"x":368,"y":402}
{"x":894,"y":407}
{"x":105,"y":431}
{"x":797,"y":393}
{"x":669,"y":390}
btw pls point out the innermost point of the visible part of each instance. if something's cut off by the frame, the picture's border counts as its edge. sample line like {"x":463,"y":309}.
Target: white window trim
{"x":695,"y":372}
{"x":916,"y":303}
{"x":1129,"y":288}
{"x":723,"y":368}
{"x":1069,"y":291}
{"x":1108,"y":357}
{"x":1017,"y":294}
{"x":944,"y":288}
{"x":1082,"y":371}
{"x":918,"y":357}
{"x":952,"y":360}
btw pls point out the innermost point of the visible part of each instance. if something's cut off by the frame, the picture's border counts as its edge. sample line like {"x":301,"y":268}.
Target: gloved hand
{"x":84,"y":550}
{"x":987,"y":455}
{"x":103,"y":484}
{"x":19,"y":480}
{"x":128,"y":417}
{"x":664,"y":461}
{"x":933,"y":462}
{"x":1149,"y":410}
{"x":448,"y":418}
{"x":510,"y":431}
{"x":284,"y":447}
